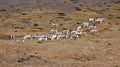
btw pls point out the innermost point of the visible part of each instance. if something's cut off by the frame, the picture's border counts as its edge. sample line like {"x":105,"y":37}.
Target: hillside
{"x":34,"y":17}
{"x":62,"y":5}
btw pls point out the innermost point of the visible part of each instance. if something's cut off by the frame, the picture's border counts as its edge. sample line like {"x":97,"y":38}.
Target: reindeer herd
{"x":54,"y":34}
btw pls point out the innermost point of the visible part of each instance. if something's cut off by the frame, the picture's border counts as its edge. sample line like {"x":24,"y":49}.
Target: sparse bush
{"x":117,"y":23}
{"x":36,"y":24}
{"x":17,"y":8}
{"x":40,"y":16}
{"x":100,"y":5}
{"x":61,"y":24}
{"x":118,"y":17}
{"x":2,"y":20}
{"x":25,"y":21}
{"x":77,"y":22}
{"x":104,"y":10}
{"x":81,"y":5}
{"x":66,"y":19}
{"x":65,"y":2}
{"x":117,"y":2}
{"x":64,"y":29}
{"x":19,"y":28}
{"x":104,"y":3}
{"x":3,"y":36}
{"x":34,"y":31}
{"x":3,"y":10}
{"x":75,"y":1}
{"x":109,"y":5}
{"x":24,"y":13}
{"x":99,"y":12}
{"x":62,"y":14}
{"x":109,"y":44}
{"x":77,"y":8}
{"x":112,"y":1}
{"x":44,"y":3}
{"x":97,"y":41}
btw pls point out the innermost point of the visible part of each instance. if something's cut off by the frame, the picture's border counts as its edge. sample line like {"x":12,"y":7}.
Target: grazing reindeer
{"x":81,"y":33}
{"x":62,"y":36}
{"x":27,"y":37}
{"x":20,"y":41}
{"x":53,"y":24}
{"x":52,"y":37}
{"x":65,"y":32}
{"x":91,"y":27}
{"x":91,"y":20}
{"x":74,"y":37}
{"x":85,"y":24}
{"x":43,"y":38}
{"x":99,"y":20}
{"x":11,"y":37}
{"x":93,"y":31}
{"x":53,"y":31}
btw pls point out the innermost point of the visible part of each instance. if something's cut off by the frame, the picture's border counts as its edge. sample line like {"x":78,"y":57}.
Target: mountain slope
{"x":65,"y":5}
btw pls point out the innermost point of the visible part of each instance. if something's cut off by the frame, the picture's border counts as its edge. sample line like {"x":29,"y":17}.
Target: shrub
{"x":75,"y":1}
{"x":62,"y":14}
{"x":77,"y":8}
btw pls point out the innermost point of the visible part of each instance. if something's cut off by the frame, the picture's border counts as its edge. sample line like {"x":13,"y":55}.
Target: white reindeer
{"x":91,"y":27}
{"x":35,"y":36}
{"x":73,"y":32}
{"x":52,"y":37}
{"x":20,"y":41}
{"x":27,"y":37}
{"x":81,"y":33}
{"x":74,"y":37}
{"x":58,"y":33}
{"x":54,"y":24}
{"x":91,"y":20}
{"x":43,"y":38}
{"x":79,"y":28}
{"x":65,"y":32}
{"x":62,"y":36}
{"x":99,"y":20}
{"x":93,"y":31}
{"x":85,"y":24}
{"x":53,"y":31}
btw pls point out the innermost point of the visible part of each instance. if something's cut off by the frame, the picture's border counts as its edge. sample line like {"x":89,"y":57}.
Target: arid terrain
{"x":21,"y":17}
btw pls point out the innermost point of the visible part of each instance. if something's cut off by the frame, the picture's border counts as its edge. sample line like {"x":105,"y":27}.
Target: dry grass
{"x":62,"y":53}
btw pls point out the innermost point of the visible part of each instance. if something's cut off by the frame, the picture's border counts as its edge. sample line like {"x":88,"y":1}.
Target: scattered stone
{"x":23,"y":59}
{"x":116,"y":66}
{"x":36,"y":24}
{"x":39,"y":42}
{"x":117,"y":23}
{"x":109,"y":44}
{"x":16,"y":30}
{"x":97,"y":41}
{"x":78,"y":22}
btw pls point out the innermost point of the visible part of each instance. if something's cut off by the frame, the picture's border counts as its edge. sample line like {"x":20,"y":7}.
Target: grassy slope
{"x":93,"y":51}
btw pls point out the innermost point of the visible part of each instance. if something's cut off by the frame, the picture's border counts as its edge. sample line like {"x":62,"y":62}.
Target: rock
{"x":23,"y":59}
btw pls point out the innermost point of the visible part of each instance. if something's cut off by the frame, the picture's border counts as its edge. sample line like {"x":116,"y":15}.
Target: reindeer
{"x":93,"y":31}
{"x":91,"y":20}
{"x":53,"y":31}
{"x":99,"y":20}
{"x":27,"y":37}
{"x":20,"y":41}
{"x":11,"y":37}
{"x":53,"y":24}
{"x":85,"y":24}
